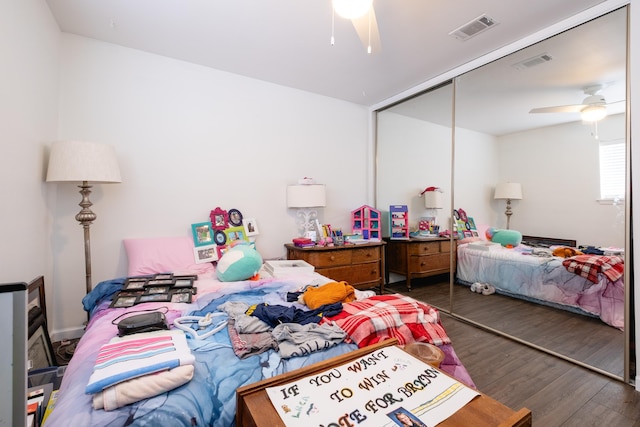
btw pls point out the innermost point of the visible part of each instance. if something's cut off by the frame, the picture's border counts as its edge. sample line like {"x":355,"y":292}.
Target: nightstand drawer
{"x":365,"y":255}
{"x":421,"y":264}
{"x":328,"y":258}
{"x":354,"y":275}
{"x":424,"y":248}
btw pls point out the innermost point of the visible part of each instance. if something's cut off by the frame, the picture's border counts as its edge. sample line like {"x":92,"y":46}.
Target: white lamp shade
{"x":508,"y":190}
{"x":82,"y":161}
{"x":306,"y":196}
{"x":433,"y":200}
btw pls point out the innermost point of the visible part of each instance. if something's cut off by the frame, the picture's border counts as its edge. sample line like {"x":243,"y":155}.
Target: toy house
{"x":365,"y":221}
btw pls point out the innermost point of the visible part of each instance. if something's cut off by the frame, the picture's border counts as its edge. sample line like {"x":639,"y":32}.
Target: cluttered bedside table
{"x":360,"y":265}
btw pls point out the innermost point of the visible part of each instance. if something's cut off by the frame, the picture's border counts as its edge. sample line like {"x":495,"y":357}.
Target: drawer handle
{"x":332,"y":258}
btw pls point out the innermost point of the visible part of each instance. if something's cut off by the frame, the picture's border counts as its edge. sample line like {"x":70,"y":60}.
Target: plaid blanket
{"x":382,"y":317}
{"x":589,"y":266}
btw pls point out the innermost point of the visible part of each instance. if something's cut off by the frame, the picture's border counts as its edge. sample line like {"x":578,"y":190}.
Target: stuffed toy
{"x":507,"y":238}
{"x":240,"y":262}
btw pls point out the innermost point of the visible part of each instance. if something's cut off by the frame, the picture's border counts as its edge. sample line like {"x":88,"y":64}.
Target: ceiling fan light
{"x":593,"y":113}
{"x":351,"y":9}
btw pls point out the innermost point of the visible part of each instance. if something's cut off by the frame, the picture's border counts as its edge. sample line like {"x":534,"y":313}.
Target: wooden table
{"x":254,"y":408}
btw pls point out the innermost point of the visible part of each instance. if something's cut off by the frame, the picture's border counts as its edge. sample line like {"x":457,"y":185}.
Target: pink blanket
{"x":382,"y":317}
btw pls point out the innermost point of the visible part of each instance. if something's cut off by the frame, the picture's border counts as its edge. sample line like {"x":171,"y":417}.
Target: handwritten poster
{"x":387,"y":387}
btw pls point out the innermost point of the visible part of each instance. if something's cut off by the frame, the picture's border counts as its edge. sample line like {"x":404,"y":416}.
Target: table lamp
{"x":305,"y":197}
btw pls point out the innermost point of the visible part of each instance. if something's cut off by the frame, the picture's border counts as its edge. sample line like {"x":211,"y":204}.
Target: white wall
{"x":189,"y":139}
{"x":558,"y":167}
{"x":28,"y":121}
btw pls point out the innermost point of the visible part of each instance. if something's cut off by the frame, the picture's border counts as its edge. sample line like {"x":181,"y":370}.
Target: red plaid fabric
{"x":588,"y":266}
{"x":382,"y":317}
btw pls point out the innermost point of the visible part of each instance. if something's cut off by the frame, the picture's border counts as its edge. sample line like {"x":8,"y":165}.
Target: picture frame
{"x":181,"y":295}
{"x":250,"y":226}
{"x":164,"y":282}
{"x":157,"y":290}
{"x":235,"y":233}
{"x":130,"y":285}
{"x":166,"y":297}
{"x":202,"y":233}
{"x":219,"y":218}
{"x":39,"y":348}
{"x":235,"y":217}
{"x":36,"y":295}
{"x":183,"y":283}
{"x":204,"y":254}
{"x":163,"y":276}
{"x":126,"y":300}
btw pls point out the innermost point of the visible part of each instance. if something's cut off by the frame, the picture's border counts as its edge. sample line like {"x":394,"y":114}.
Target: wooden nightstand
{"x":418,"y":258}
{"x":361,"y":266}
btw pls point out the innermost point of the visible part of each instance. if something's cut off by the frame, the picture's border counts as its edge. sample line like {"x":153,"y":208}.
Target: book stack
{"x":303,"y":242}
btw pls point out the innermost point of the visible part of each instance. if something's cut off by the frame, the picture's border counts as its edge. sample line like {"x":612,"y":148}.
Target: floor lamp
{"x":508,"y":191}
{"x":84,"y":162}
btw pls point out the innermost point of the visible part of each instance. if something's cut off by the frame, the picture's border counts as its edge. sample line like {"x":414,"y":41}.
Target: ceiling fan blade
{"x":368,"y":34}
{"x":559,"y":109}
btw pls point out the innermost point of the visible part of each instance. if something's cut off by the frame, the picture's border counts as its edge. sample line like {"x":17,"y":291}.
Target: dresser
{"x":415,"y":258}
{"x":361,"y":265}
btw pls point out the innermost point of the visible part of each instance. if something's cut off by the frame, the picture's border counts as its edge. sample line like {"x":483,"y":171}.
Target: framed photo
{"x":181,"y":295}
{"x":205,"y":254}
{"x":235,"y":217}
{"x":157,"y":289}
{"x":250,"y":226}
{"x":235,"y":233}
{"x":164,"y":282}
{"x":183,"y":283}
{"x":202,"y":233}
{"x":219,"y":219}
{"x":154,"y":298}
{"x":167,"y":276}
{"x":36,"y":296}
{"x":130,"y":284}
{"x":39,"y":347}
{"x":123,"y":300}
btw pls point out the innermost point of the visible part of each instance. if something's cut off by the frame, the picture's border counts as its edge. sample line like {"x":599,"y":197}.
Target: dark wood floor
{"x":558,"y":393}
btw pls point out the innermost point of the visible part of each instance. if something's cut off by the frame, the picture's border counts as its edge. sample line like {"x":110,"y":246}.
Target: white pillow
{"x":163,"y":255}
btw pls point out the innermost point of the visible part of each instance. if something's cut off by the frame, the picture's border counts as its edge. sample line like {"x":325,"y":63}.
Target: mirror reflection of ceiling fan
{"x":592,"y":109}
{"x":363,"y":18}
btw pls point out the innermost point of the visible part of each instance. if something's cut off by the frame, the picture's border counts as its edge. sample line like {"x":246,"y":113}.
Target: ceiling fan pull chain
{"x":369,"y":47}
{"x":333,"y":24}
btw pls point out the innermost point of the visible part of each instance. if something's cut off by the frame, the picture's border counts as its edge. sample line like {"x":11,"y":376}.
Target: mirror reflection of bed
{"x":556,"y":163}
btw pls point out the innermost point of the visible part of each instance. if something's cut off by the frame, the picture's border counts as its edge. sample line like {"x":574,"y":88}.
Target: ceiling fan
{"x":363,"y":18}
{"x":592,"y":109}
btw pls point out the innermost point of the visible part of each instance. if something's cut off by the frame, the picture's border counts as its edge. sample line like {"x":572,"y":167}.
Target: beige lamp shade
{"x":83,"y":161}
{"x":508,"y":191}
{"x":433,"y":200}
{"x":306,"y":196}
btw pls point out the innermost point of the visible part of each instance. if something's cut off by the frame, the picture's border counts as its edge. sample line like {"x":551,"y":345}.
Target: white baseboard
{"x":66,"y":334}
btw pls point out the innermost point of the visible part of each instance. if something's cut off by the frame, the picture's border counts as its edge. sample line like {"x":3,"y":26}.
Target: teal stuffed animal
{"x":507,"y":238}
{"x":240,"y":262}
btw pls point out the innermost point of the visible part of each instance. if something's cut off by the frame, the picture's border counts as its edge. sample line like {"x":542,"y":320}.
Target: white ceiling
{"x":287,"y":42}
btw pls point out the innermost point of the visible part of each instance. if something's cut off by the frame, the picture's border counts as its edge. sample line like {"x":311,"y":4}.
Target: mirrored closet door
{"x":493,"y":137}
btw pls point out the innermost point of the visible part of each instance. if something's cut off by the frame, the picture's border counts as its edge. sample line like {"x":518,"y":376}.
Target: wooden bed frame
{"x":547,"y":241}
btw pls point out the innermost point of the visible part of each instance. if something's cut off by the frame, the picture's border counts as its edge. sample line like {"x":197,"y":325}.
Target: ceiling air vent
{"x":532,"y":62}
{"x":474,"y":27}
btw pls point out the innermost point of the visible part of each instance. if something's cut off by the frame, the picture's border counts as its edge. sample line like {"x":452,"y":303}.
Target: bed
{"x":588,"y":284}
{"x":219,"y":367}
